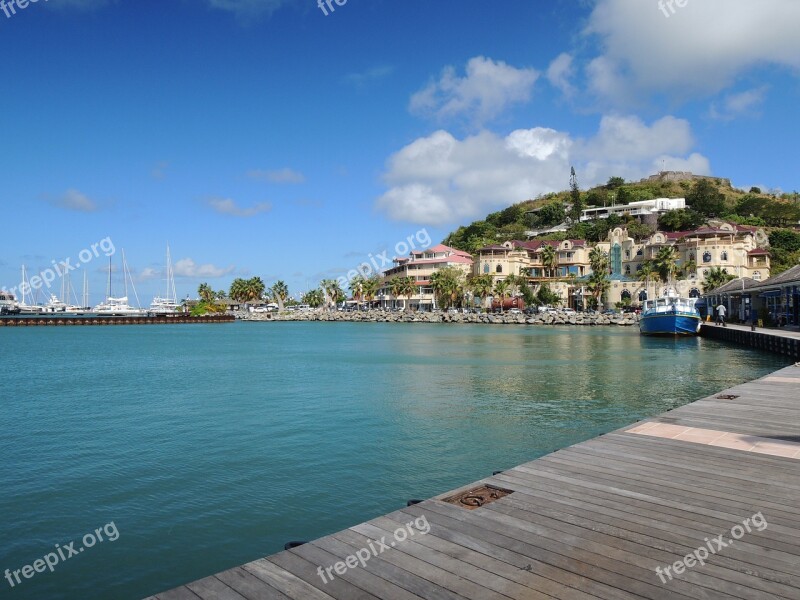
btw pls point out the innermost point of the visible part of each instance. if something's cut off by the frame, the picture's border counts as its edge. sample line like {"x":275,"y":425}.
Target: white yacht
{"x":167,"y":304}
{"x":118,"y":306}
{"x":8,"y":303}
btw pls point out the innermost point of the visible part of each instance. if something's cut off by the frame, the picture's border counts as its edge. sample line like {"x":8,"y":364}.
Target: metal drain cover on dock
{"x":477,"y":497}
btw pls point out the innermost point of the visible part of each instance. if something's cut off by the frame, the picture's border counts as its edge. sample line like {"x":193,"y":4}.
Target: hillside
{"x":706,"y":197}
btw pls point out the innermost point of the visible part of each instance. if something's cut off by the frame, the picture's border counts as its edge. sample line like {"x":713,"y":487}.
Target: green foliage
{"x":639,"y":231}
{"x":706,"y":199}
{"x":551,"y":214}
{"x":785,"y":239}
{"x":546,"y":296}
{"x":615,"y":182}
{"x":680,"y":220}
{"x":716,"y":277}
{"x":247,"y":290}
{"x":314,"y":298}
{"x":755,"y":190}
{"x":448,"y":286}
{"x":575,"y":197}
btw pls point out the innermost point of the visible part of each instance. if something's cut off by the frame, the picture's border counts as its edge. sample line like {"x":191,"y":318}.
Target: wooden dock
{"x":784,"y":341}
{"x":592,"y":521}
{"x":88,"y":320}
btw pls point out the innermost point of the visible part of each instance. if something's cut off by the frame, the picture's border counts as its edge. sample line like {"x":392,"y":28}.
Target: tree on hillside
{"x":615,"y":182}
{"x":680,"y":220}
{"x":549,"y":215}
{"x":575,"y":197}
{"x":706,"y":199}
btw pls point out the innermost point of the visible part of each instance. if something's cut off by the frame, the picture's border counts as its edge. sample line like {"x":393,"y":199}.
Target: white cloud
{"x":226,"y":206}
{"x":74,"y":200}
{"x":740,"y":104}
{"x":285,"y":175}
{"x":186,"y":267}
{"x":488,"y":88}
{"x":440,"y":179}
{"x":698,"y":51}
{"x":560,"y":72}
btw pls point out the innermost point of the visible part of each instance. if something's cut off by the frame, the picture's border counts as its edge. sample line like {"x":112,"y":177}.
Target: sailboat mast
{"x":108,"y":288}
{"x":85,"y":291}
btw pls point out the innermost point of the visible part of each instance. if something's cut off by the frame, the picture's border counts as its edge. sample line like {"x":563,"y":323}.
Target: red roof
{"x":758,"y":252}
{"x":440,"y":248}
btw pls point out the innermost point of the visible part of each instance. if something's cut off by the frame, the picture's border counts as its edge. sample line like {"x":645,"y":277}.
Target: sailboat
{"x":24,"y":307}
{"x":167,"y":304}
{"x":119,"y":306}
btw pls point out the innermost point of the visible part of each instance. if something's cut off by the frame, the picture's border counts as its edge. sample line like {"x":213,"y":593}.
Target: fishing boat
{"x":167,"y":304}
{"x":670,"y":314}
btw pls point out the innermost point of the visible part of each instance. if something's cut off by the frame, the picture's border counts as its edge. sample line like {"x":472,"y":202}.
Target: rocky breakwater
{"x":377,"y":316}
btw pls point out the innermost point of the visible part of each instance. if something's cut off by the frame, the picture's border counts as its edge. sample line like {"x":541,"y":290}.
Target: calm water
{"x":210,"y":446}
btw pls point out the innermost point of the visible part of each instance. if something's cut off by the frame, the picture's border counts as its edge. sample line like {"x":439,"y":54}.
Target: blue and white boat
{"x":670,"y":315}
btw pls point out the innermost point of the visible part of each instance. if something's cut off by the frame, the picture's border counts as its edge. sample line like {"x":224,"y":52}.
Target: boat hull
{"x":670,"y":324}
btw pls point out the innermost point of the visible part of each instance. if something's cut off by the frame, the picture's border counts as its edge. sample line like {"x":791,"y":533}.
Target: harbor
{"x":605,"y":518}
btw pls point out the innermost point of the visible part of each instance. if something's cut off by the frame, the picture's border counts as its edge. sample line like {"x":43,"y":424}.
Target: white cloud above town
{"x":440,"y":179}
{"x":486,"y":90}
{"x":697,"y":51}
{"x":561,"y":72}
{"x":740,"y":104}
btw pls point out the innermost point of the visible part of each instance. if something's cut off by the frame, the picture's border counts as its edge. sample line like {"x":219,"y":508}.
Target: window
{"x":638,"y":268}
{"x":499,"y":269}
{"x":757,"y":275}
{"x":694,"y":293}
{"x":706,"y":256}
{"x":642,"y":296}
{"x":486,"y":268}
{"x":724,"y":256}
{"x":627,"y":269}
{"x":627,"y":254}
{"x":626,"y":295}
{"x":639,"y":252}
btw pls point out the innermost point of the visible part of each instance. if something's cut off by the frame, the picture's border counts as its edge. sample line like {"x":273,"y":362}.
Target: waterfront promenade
{"x":622,"y":516}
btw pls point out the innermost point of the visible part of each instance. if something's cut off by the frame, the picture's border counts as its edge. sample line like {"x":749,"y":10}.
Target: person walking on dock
{"x":721,"y":314}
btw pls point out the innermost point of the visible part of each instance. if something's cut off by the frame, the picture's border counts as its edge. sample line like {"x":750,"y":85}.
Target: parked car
{"x":514,"y":311}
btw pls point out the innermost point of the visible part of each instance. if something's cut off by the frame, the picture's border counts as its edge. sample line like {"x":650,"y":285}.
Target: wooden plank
{"x":249,"y":586}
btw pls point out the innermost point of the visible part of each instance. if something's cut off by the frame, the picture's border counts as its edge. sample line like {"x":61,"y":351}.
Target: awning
{"x":771,"y":294}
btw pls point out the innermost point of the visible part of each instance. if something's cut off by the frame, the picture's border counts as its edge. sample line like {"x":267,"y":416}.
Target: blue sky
{"x":262,"y":137}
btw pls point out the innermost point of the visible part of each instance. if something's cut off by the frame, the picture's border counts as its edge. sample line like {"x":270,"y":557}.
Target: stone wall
{"x":627,"y":319}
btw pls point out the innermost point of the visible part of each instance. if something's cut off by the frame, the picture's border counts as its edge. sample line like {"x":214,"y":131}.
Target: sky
{"x":273,"y":138}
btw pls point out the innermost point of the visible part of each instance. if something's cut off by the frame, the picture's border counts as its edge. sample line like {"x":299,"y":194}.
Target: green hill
{"x":706,"y":198}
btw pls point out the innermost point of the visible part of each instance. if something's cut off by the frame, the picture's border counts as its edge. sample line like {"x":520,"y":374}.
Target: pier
{"x":778,"y":341}
{"x":621,"y":516}
{"x":88,"y":320}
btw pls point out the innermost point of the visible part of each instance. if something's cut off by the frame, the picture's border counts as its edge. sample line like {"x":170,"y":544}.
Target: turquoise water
{"x":209,"y":446}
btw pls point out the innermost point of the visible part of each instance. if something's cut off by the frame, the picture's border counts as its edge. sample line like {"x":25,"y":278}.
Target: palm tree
{"x":665,"y":263}
{"x":331,"y":291}
{"x":550,"y":259}
{"x":716,"y":277}
{"x":314,"y":298}
{"x":238,"y":291}
{"x":447,"y":284}
{"x":689,"y":268}
{"x":403,"y":286}
{"x":481,"y":286}
{"x":501,"y":288}
{"x":645,"y":273}
{"x":255,"y":289}
{"x":356,"y":286}
{"x":370,"y":288}
{"x":598,"y":259}
{"x":395,"y":288}
{"x":598,"y":285}
{"x":279,"y":292}
{"x":206,"y":293}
